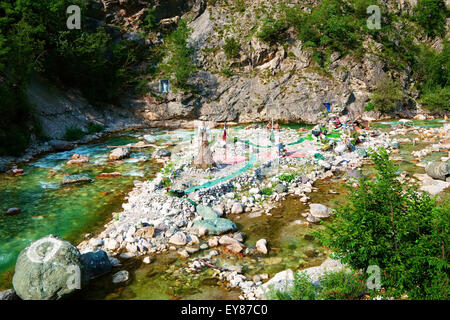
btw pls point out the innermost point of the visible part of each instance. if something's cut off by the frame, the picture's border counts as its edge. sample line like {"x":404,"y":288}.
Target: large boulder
{"x":119,"y":153}
{"x":318,"y":210}
{"x":206,"y":212}
{"x":47,"y":269}
{"x":215,"y":226}
{"x":96,"y":263}
{"x":438,"y":170}
{"x":75,"y":179}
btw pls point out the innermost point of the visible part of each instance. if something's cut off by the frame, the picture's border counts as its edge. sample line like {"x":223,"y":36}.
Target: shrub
{"x":431,"y":15}
{"x":386,"y":95}
{"x":94,"y":127}
{"x":227,"y":72}
{"x":231,"y":48}
{"x":393,"y":226}
{"x":267,"y":191}
{"x":74,"y":133}
{"x":180,"y":63}
{"x":369,"y":106}
{"x":436,"y":100}
{"x":302,"y":289}
{"x":272,"y":31}
{"x":341,"y":285}
{"x":287,"y":177}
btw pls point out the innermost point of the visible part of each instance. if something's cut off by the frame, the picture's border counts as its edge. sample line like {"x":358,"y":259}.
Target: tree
{"x":387,"y":95}
{"x":431,"y":15}
{"x":180,"y":63}
{"x":392,"y":225}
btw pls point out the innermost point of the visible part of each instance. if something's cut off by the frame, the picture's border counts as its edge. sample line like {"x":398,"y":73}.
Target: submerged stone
{"x":76,"y":178}
{"x":206,"y":212}
{"x":216,"y":226}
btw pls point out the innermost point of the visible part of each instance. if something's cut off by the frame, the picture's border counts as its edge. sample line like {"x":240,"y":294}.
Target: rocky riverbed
{"x":196,"y":213}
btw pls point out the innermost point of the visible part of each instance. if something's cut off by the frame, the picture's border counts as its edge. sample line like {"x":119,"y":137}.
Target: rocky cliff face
{"x":266,"y":81}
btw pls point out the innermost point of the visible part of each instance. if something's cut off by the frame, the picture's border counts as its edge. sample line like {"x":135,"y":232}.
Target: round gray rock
{"x":47,"y":269}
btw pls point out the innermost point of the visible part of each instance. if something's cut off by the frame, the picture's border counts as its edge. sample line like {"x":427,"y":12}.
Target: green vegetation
{"x":393,"y":226}
{"x":341,"y":285}
{"x":386,"y":95}
{"x":34,"y":38}
{"x":431,"y":15}
{"x":74,"y":133}
{"x":267,"y":191}
{"x":231,"y":48}
{"x":180,"y":62}
{"x":287,"y":177}
{"x":272,"y":31}
{"x":227,"y":72}
{"x":94,"y":128}
{"x":436,"y":100}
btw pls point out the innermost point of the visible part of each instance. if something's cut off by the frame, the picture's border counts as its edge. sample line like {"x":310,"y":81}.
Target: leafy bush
{"x":267,"y":191}
{"x":393,"y":226}
{"x":74,"y":133}
{"x":340,"y":285}
{"x":436,"y":100}
{"x":287,"y":177}
{"x":272,"y":31}
{"x":369,"y":106}
{"x":431,"y":15}
{"x":231,"y":48}
{"x":180,"y":63}
{"x":149,"y":22}
{"x":227,"y":72}
{"x":94,"y":128}
{"x":302,"y":289}
{"x":386,"y":95}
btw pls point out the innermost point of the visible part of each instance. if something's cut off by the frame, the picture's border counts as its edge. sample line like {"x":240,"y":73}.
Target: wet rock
{"x":163,"y":153}
{"x":76,"y":179}
{"x":96,"y":263}
{"x":237,"y":208}
{"x":231,"y":244}
{"x":206,"y":212}
{"x":109,"y":174}
{"x":438,"y":170}
{"x":178,"y":239}
{"x":60,"y":145}
{"x":319,"y":210}
{"x":9,"y":294}
{"x":215,"y":226}
{"x":261,"y":246}
{"x":312,"y":219}
{"x":311,"y":251}
{"x":121,"y":276}
{"x":13,"y":211}
{"x":41,"y":271}
{"x":183,"y":253}
{"x":78,"y":159}
{"x":361,"y":152}
{"x":119,"y":153}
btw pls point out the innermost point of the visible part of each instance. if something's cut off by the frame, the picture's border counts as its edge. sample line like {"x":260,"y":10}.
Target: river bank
{"x":155,"y":225}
